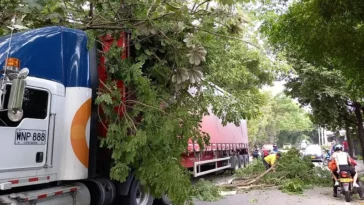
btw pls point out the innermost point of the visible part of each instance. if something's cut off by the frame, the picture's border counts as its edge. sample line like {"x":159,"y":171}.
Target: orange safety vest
{"x":332,"y":165}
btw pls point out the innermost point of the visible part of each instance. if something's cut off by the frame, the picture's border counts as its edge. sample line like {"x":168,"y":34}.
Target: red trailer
{"x":228,"y":148}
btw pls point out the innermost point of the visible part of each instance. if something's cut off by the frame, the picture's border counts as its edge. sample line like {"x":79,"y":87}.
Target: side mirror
{"x":16,"y":97}
{"x":16,"y":94}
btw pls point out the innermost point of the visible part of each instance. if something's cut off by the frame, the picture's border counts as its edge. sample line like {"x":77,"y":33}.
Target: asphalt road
{"x":316,"y":196}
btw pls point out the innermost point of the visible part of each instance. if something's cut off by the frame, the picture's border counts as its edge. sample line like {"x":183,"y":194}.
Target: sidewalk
{"x":360,"y":166}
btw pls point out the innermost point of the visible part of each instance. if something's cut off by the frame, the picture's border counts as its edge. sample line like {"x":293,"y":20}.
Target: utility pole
{"x":319,"y":135}
{"x":322,"y":136}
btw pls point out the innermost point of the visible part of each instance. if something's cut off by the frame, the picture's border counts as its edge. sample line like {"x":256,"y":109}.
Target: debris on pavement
{"x":292,"y":175}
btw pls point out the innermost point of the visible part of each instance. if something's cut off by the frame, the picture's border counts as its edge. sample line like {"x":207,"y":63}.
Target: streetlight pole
{"x":319,"y":135}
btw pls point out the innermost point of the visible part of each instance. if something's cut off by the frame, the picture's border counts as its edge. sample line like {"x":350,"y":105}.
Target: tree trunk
{"x":348,"y":138}
{"x":359,"y":118}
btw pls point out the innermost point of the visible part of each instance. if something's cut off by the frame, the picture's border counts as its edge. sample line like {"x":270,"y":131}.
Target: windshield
{"x":313,"y":149}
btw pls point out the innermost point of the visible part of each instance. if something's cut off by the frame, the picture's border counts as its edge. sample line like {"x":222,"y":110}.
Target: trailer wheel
{"x":241,"y":161}
{"x":138,"y":195}
{"x":246,"y":159}
{"x":234,"y":163}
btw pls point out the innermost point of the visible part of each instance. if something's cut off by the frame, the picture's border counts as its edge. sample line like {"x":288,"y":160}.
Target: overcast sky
{"x":276,"y":88}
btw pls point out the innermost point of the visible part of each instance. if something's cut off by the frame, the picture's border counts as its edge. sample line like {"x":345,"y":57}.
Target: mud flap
{"x":346,"y":187}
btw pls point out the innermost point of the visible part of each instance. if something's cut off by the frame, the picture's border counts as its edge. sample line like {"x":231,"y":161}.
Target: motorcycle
{"x":326,"y":157}
{"x":346,"y":186}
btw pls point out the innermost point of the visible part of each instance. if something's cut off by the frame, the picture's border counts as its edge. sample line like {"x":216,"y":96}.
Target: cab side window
{"x":35,"y":106}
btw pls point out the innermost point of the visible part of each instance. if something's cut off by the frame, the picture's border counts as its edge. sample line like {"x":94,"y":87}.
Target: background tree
{"x":324,"y":91}
{"x":177,"y":45}
{"x":282,"y":121}
{"x":326,"y":35}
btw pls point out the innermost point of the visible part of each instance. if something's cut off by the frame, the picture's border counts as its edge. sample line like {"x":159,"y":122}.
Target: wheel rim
{"x":142,"y":196}
{"x":166,"y":200}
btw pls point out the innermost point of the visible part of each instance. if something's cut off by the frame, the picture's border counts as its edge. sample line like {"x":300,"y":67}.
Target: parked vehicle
{"x":314,"y":151}
{"x":303,"y":145}
{"x":287,"y":146}
{"x":49,"y":125}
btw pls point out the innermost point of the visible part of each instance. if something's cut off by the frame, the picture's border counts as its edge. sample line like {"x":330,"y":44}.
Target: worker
{"x":270,"y":160}
{"x":275,"y":149}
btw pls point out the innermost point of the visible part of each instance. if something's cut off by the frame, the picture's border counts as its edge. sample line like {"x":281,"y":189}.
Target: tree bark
{"x":359,"y":117}
{"x":348,"y":138}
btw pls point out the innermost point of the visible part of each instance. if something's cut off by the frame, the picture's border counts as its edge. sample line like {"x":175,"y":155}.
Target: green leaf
{"x":197,"y":55}
{"x":138,"y":46}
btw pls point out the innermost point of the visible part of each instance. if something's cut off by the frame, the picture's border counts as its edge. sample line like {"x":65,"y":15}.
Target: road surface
{"x":316,"y":196}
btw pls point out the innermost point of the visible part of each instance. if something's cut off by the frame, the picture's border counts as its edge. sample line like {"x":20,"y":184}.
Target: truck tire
{"x":234,"y":163}
{"x":246,"y":160}
{"x":241,"y":161}
{"x":163,"y":201}
{"x":138,"y":195}
{"x":102,"y":191}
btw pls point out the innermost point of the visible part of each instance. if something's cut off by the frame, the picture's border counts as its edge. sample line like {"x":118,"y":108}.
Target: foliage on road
{"x":255,"y":167}
{"x":206,"y":190}
{"x":293,"y":173}
{"x":281,"y":120}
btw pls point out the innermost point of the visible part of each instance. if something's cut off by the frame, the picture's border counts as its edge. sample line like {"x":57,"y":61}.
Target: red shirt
{"x":352,"y":162}
{"x":345,"y":143}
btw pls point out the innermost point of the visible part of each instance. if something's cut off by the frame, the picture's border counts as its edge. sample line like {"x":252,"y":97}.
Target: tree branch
{"x":229,"y":37}
{"x":112,"y":9}
{"x":91,"y":27}
{"x":195,"y":9}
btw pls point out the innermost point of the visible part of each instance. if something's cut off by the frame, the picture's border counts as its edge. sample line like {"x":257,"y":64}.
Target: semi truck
{"x":49,"y":124}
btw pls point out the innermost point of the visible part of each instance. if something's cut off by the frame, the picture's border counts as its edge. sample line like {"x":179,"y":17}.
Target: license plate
{"x":346,"y":180}
{"x":313,"y":157}
{"x":30,"y":137}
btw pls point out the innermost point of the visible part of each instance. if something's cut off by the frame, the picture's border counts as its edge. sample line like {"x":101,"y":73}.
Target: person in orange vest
{"x":345,"y":162}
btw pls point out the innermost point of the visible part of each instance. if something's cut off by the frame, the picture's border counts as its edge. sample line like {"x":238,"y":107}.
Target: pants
{"x":267,"y":166}
{"x":347,"y":168}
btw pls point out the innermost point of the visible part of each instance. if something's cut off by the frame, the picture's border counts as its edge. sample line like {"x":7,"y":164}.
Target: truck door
{"x":23,"y":144}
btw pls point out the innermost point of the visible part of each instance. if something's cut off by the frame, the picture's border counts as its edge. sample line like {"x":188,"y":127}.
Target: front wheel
{"x":347,"y":196}
{"x":138,"y":195}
